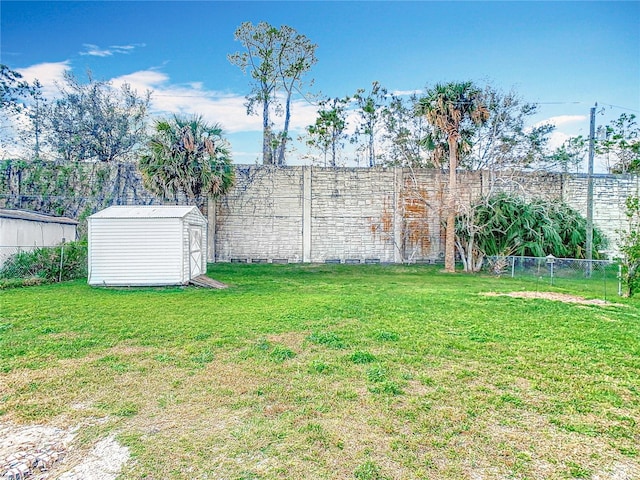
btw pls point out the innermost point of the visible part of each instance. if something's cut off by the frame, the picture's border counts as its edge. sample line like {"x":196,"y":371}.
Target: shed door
{"x":195,"y":251}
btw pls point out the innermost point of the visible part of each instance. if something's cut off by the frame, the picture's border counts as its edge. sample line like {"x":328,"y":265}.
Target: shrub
{"x":47,"y":264}
{"x":630,"y":247}
{"x":503,"y":224}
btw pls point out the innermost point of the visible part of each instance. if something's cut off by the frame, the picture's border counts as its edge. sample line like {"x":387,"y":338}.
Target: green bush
{"x":630,"y":247}
{"x":46,"y":264}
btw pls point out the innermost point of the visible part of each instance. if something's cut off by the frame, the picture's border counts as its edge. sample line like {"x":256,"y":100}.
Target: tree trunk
{"x":211,"y":229}
{"x":372,"y":153}
{"x":267,"y":152}
{"x":333,"y":151}
{"x":285,"y":133}
{"x":450,"y":234}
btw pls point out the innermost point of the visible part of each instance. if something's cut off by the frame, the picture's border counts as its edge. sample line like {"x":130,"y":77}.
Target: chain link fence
{"x":596,"y":277}
{"x":49,"y":263}
{"x":7,"y":251}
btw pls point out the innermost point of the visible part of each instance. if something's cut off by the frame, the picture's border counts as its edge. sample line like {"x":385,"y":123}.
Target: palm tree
{"x":189,"y":156}
{"x":448,"y":107}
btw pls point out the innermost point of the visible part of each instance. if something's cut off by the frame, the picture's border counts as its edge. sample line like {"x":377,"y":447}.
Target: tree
{"x":97,"y":122}
{"x":277,"y":60}
{"x":405,"y":133}
{"x":188,"y":156}
{"x":369,"y":107}
{"x":328,"y":132}
{"x":37,"y":115}
{"x":504,"y":141}
{"x":570,"y":154}
{"x":13,"y":90}
{"x":450,"y":108}
{"x":630,"y":247}
{"x":502,"y":225}
{"x":623,"y":142}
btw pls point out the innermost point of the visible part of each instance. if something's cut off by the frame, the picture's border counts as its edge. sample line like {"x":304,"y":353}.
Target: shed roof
{"x":35,"y":217}
{"x":146,"y":211}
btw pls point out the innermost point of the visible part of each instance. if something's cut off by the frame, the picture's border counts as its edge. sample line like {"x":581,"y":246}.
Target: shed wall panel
{"x":136,"y":251}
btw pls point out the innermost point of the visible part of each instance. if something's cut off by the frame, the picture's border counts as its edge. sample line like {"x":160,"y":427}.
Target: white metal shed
{"x":147,"y":245}
{"x":22,"y":230}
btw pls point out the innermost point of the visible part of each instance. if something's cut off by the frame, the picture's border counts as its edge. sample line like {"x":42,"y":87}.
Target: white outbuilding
{"x":147,"y":245}
{"x":23,"y":231}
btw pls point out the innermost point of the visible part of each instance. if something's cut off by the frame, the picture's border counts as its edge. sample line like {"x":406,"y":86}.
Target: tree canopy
{"x":327,"y":134}
{"x":621,"y":145}
{"x":98,"y":122}
{"x":13,"y":89}
{"x":277,"y":59}
{"x":188,"y":156}
{"x":504,"y":224}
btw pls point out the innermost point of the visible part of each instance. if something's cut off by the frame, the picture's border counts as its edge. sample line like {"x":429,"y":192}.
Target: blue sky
{"x":564,"y":55}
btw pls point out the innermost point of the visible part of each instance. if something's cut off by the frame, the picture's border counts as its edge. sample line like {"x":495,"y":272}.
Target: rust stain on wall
{"x":383,"y":226}
{"x":386,"y":221}
{"x":415,"y":212}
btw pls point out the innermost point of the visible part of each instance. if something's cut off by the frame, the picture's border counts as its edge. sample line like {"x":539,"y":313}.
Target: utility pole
{"x":589,"y":240}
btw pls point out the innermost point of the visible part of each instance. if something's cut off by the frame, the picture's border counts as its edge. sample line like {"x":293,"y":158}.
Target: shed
{"x":22,"y":230}
{"x":147,"y":245}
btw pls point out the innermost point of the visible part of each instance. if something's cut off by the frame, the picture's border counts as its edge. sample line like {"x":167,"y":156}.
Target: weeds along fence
{"x":52,"y":264}
{"x":596,"y":277}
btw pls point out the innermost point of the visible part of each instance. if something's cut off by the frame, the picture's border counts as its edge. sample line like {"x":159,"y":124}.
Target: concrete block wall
{"x":261,"y":218}
{"x":352,"y":215}
{"x":609,"y":195}
{"x":315,"y":214}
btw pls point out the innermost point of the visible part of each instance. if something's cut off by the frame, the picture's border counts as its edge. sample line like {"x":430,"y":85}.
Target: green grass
{"x":331,"y":371}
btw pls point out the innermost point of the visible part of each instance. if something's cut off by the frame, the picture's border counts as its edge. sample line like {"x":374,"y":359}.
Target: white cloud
{"x":407,"y":93}
{"x":557,"y":138}
{"x":565,"y":127}
{"x":192,"y":98}
{"x":143,"y":80}
{"x":48,"y":74}
{"x":187,"y":99}
{"x":562,"y":120}
{"x":125,"y":48}
{"x":96,"y":51}
{"x":216,"y":107}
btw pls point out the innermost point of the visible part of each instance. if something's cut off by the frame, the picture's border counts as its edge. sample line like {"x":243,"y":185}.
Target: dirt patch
{"x":40,"y":452}
{"x":559,"y":297}
{"x":293,"y":340}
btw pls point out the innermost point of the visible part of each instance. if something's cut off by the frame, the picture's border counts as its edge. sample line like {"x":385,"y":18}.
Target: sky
{"x":565,"y":56}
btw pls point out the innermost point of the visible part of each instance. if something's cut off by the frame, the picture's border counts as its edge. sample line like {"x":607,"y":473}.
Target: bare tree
{"x":405,"y":135}
{"x":370,"y":107}
{"x":505,"y":141}
{"x":277,"y":60}
{"x":327,"y":134}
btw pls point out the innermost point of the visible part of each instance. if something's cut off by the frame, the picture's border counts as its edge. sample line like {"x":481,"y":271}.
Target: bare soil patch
{"x":559,"y":297}
{"x":41,"y":452}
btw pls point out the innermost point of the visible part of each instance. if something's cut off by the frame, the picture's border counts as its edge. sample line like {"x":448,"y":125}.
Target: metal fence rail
{"x":601,"y":277}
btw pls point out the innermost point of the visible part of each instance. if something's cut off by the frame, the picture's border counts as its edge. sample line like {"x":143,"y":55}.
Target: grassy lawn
{"x":329,"y":371}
